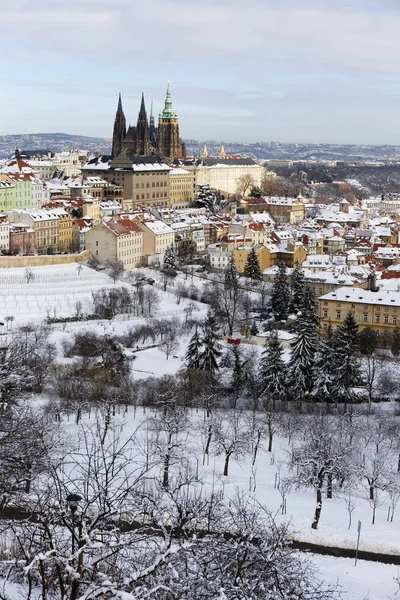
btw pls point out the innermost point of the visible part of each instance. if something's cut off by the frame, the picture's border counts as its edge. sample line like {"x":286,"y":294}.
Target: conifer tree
{"x":238,"y":373}
{"x":324,"y":373}
{"x":304,"y":348}
{"x":297,"y":289}
{"x":231,"y":276}
{"x":169,"y":264}
{"x":212,"y":350}
{"x":280,"y":299}
{"x":230,"y":296}
{"x":252,"y":266}
{"x":345,"y":364}
{"x":272,"y":372}
{"x":395,"y":347}
{"x":254,"y":329}
{"x":192,"y":356}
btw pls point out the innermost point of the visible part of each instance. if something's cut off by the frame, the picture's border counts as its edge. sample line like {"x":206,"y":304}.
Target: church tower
{"x":143,"y":146}
{"x":153,"y":131}
{"x":222,"y":153}
{"x":169,"y":144}
{"x":119,"y":130}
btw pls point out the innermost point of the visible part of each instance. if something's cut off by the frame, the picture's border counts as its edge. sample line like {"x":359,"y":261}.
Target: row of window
{"x":154,"y":195}
{"x":154,"y":184}
{"x":365,"y":317}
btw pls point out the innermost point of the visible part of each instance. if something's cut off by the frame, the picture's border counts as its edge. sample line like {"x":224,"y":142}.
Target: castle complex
{"x":146,"y":139}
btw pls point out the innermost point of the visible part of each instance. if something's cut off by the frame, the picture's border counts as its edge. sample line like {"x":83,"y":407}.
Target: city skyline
{"x":322,"y":72}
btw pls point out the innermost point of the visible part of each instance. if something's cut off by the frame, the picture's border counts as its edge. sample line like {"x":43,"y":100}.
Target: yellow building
{"x":65,"y":231}
{"x":285,"y":210}
{"x":379,"y":310}
{"x":241,"y":253}
{"x":45,"y":224}
{"x":181,"y":187}
{"x":157,"y":237}
{"x":91,"y":208}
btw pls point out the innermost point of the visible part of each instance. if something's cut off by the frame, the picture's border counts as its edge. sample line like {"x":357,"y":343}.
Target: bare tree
{"x":29,"y":275}
{"x":318,"y":459}
{"x":245,"y":182}
{"x":116,"y":268}
{"x":169,"y":344}
{"x":231,"y":437}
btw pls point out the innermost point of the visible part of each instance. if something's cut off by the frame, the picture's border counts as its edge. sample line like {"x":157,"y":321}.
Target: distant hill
{"x":56,"y":142}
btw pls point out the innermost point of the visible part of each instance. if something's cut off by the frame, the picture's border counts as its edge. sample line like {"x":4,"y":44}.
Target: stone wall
{"x":6,"y":262}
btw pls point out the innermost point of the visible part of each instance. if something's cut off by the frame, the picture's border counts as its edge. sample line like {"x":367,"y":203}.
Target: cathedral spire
{"x":152,"y":114}
{"x":143,"y":145}
{"x":119,"y":132}
{"x":168,"y":112}
{"x":142,"y":112}
{"x":119,"y":108}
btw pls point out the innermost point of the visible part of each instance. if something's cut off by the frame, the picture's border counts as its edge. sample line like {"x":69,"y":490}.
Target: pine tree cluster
{"x":204,"y":349}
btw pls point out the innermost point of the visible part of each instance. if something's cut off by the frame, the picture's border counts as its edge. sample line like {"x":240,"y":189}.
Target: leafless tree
{"x":29,"y":275}
{"x":169,"y":344}
{"x":318,"y":458}
{"x":231,"y":437}
{"x":245,"y":182}
{"x":115,"y":267}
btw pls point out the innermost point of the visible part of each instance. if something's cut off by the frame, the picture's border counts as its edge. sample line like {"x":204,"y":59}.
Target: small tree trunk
{"x":166,"y":471}
{"x":371,"y":491}
{"x":318,"y":507}
{"x":209,"y":436}
{"x":226,"y":464}
{"x":329,"y":486}
{"x":256,"y":446}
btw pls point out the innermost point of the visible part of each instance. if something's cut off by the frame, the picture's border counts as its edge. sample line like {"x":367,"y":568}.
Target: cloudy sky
{"x":248,"y":70}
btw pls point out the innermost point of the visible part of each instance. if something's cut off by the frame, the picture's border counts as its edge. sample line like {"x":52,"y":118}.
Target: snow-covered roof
{"x":357,"y":295}
{"x":179,"y":171}
{"x":158,"y":227}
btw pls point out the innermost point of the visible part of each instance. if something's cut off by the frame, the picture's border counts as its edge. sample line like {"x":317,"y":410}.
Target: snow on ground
{"x":52,"y":292}
{"x":366,"y":581}
{"x":370,"y":580}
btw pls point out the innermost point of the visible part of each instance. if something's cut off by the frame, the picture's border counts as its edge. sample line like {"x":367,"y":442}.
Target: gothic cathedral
{"x":146,"y":139}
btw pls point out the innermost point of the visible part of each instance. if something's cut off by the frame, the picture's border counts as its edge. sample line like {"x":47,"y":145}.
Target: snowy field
{"x":368,"y":580}
{"x":54,"y":291}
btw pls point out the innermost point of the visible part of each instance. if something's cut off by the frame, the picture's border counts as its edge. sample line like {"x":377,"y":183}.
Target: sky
{"x":240,"y":70}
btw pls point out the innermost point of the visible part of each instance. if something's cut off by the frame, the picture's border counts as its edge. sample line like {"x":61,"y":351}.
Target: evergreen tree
{"x":252,"y":266}
{"x":396,"y":342}
{"x":238,"y":374}
{"x":345,"y":364}
{"x":230,"y":296}
{"x":280,"y":299}
{"x":192,"y":356}
{"x":304,"y":348}
{"x":169,"y":264}
{"x":272,"y":372}
{"x":231,"y":276}
{"x":254,"y":329}
{"x":297,"y":289}
{"x":212,"y":350}
{"x":324,"y":374}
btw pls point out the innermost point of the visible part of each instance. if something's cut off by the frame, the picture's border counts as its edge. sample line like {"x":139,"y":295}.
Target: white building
{"x":224,"y":173}
{"x":219,"y":256}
